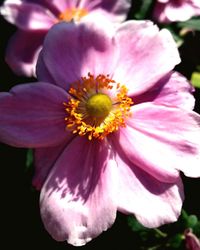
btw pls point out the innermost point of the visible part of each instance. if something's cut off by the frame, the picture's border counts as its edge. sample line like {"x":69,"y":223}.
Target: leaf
{"x":135,"y":225}
{"x":192,"y":221}
{"x":195,"y":79}
{"x":193,"y":24}
{"x":29,"y":158}
{"x":196,"y":229}
{"x":176,"y":241}
{"x":145,"y":6}
{"x":184,"y":215}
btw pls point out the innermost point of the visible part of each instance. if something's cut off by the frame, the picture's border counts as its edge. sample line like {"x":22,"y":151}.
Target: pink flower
{"x":111,"y":125}
{"x":35,"y":17}
{"x":167,"y":11}
{"x":192,"y":242}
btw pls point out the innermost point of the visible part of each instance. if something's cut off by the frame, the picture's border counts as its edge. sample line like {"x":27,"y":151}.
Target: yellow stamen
{"x":72,"y":14}
{"x":93,"y":111}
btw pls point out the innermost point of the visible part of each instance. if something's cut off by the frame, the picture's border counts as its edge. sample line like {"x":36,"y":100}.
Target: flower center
{"x":98,"y":107}
{"x":72,"y":14}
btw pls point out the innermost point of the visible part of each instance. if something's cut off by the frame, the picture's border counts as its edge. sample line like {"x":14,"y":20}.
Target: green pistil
{"x":99,"y":105}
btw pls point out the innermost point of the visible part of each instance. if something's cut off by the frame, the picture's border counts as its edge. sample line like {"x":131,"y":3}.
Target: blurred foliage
{"x":29,"y":159}
{"x":167,"y":237}
{"x":143,"y":9}
{"x":195,"y":79}
{"x":192,"y":25}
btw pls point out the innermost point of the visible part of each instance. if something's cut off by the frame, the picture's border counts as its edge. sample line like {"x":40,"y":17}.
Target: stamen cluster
{"x":80,"y":121}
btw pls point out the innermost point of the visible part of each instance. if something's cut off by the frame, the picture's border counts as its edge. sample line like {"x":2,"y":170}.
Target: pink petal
{"x":161,"y":140}
{"x":163,"y":1}
{"x":54,"y":6}
{"x":32,"y":115}
{"x":192,"y":242}
{"x":27,"y":16}
{"x":42,"y":72}
{"x":62,"y":5}
{"x":138,"y":148}
{"x":145,"y":55}
{"x":83,"y":48}
{"x":152,"y":202}
{"x":115,"y":10}
{"x":182,"y":13}
{"x":44,"y":159}
{"x":159,"y":13}
{"x":22,"y":51}
{"x":174,"y":90}
{"x":77,"y":200}
{"x":171,"y":11}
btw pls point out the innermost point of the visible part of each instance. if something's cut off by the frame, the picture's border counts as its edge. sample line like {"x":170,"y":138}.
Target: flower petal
{"x":22,"y":51}
{"x":42,"y":72}
{"x":44,"y":159}
{"x":60,"y":5}
{"x":174,"y":11}
{"x":27,"y":16}
{"x":159,"y":13}
{"x":173,"y":89}
{"x":115,"y":10}
{"x":32,"y":115}
{"x":162,"y":140}
{"x":77,"y":200}
{"x":83,"y":48}
{"x":54,"y":6}
{"x":182,"y":13}
{"x":163,"y":1}
{"x":145,"y":55}
{"x":152,"y":202}
{"x":191,"y":240}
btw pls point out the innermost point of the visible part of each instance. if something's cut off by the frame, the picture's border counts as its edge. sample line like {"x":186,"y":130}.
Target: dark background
{"x":20,"y":219}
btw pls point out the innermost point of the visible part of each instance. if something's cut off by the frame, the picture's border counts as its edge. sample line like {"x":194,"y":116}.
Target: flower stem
{"x":160,"y":233}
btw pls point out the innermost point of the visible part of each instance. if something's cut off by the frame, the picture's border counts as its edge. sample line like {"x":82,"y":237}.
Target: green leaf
{"x":184,"y":215}
{"x":29,"y":158}
{"x":175,"y":241}
{"x":192,"y":24}
{"x":145,"y":6}
{"x":196,"y":229}
{"x":192,"y":221}
{"x":159,"y":233}
{"x":195,"y":79}
{"x":135,"y":225}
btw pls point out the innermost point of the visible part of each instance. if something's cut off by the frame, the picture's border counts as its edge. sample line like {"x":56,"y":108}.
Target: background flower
{"x":167,"y":11}
{"x":192,"y":242}
{"x":34,"y":18}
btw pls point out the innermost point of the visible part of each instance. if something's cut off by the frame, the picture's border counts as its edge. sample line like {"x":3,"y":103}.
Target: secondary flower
{"x":192,"y":242}
{"x":111,"y":125}
{"x":35,"y":17}
{"x":167,"y":11}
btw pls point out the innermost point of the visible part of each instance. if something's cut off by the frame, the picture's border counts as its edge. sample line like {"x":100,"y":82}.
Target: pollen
{"x":98,"y":106}
{"x":72,"y":14}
